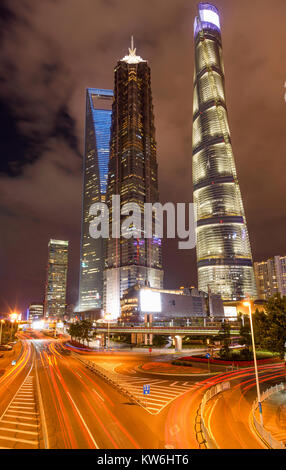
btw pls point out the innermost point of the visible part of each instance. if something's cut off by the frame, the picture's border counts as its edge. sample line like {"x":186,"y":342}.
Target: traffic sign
{"x":146,"y":389}
{"x":208,"y":355}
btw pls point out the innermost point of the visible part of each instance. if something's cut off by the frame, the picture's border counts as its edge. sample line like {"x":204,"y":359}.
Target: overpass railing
{"x":263,"y":434}
{"x":210,"y":393}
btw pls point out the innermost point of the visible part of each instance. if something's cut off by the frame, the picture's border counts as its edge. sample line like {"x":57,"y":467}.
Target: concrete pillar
{"x":178,"y":343}
{"x":139,"y":338}
{"x":205,"y":322}
{"x":102,"y":340}
{"x":133,"y":338}
{"x":148,"y":339}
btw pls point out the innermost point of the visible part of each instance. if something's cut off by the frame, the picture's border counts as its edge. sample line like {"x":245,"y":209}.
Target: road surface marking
{"x":18,"y":422}
{"x":22,"y":407}
{"x":18,"y":430}
{"x":78,"y":374}
{"x":174,"y":383}
{"x":98,"y":394}
{"x":86,"y":426}
{"x":174,"y":429}
{"x":22,"y":417}
{"x":25,"y":441}
{"x":24,"y":412}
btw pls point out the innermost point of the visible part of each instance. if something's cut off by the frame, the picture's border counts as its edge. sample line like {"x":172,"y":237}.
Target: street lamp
{"x":2,"y":321}
{"x":248,"y":304}
{"x":107,"y":317}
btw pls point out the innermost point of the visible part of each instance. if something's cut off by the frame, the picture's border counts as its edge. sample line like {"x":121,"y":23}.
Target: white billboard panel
{"x":230,"y":311}
{"x":150,"y":301}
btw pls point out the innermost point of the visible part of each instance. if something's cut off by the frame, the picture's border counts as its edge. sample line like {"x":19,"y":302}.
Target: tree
{"x":224,"y":336}
{"x":270,"y":328}
{"x":159,"y":340}
{"x":245,"y":335}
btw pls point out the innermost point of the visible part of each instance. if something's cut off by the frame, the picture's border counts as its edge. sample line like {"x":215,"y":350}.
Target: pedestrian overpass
{"x":144,"y":334}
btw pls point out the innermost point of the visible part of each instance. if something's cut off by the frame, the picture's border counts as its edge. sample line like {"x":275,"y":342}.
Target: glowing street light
{"x":248,"y":304}
{"x":2,"y":321}
{"x":13,"y":317}
{"x":108,"y":317}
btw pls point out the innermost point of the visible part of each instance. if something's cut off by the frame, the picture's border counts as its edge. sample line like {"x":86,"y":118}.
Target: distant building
{"x":270,"y":277}
{"x":56,"y":282}
{"x":133,"y":175}
{"x":35,"y":311}
{"x":95,"y":172}
{"x":167,"y":304}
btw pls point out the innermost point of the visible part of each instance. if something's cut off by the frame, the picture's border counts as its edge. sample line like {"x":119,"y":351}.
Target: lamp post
{"x":108,"y":318}
{"x":248,"y":304}
{"x":2,"y":321}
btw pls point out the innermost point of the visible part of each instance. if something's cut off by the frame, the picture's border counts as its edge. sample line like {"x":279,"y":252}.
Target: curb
{"x":139,"y":369}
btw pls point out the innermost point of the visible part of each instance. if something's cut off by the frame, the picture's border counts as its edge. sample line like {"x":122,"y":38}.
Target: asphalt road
{"x":83,"y":411}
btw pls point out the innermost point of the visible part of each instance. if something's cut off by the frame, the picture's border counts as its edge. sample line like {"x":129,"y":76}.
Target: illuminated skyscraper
{"x":95,"y":172}
{"x":223,"y":249}
{"x":132,"y":176}
{"x":56,"y":283}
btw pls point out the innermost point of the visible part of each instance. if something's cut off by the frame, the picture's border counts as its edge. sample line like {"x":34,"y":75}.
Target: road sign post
{"x":146,"y":391}
{"x":208,"y":358}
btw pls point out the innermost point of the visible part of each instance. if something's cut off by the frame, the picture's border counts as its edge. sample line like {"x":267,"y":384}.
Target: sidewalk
{"x":274,"y":415}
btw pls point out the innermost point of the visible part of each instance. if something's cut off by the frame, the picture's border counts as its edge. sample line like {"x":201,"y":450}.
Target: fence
{"x":262,"y":432}
{"x":108,"y":376}
{"x":207,"y":396}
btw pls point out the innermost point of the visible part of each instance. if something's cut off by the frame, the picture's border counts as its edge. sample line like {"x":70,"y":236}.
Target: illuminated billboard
{"x":150,"y":301}
{"x":230,"y":312}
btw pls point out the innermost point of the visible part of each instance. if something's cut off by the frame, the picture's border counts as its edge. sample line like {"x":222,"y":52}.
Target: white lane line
{"x":23,"y":407}
{"x":25,"y":394}
{"x":98,"y":394}
{"x":22,"y":417}
{"x":78,"y":374}
{"x":155,"y":400}
{"x":26,"y":401}
{"x":86,"y":426}
{"x":159,"y":393}
{"x":18,"y":430}
{"x":25,"y":441}
{"x":174,"y":383}
{"x":186,"y":383}
{"x":19,"y":422}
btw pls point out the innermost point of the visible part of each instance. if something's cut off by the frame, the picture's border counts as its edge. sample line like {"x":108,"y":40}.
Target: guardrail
{"x":109,"y":377}
{"x":261,"y":431}
{"x":210,"y":393}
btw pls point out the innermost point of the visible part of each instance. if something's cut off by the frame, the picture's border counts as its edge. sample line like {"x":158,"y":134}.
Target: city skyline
{"x":62,"y":136}
{"x":142,"y":223}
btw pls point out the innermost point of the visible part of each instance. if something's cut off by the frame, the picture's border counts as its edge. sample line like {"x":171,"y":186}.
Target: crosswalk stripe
{"x":25,"y":441}
{"x":18,"y":431}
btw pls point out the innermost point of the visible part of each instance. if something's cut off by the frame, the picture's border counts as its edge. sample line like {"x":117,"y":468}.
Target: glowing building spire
{"x":132,"y":58}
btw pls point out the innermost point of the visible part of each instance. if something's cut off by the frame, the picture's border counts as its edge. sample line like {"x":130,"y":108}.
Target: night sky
{"x":51,"y":50}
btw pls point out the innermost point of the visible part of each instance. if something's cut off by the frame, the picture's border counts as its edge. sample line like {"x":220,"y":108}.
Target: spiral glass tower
{"x":223,"y":249}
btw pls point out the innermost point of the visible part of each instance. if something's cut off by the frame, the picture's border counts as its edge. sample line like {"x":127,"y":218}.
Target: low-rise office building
{"x":168,"y":304}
